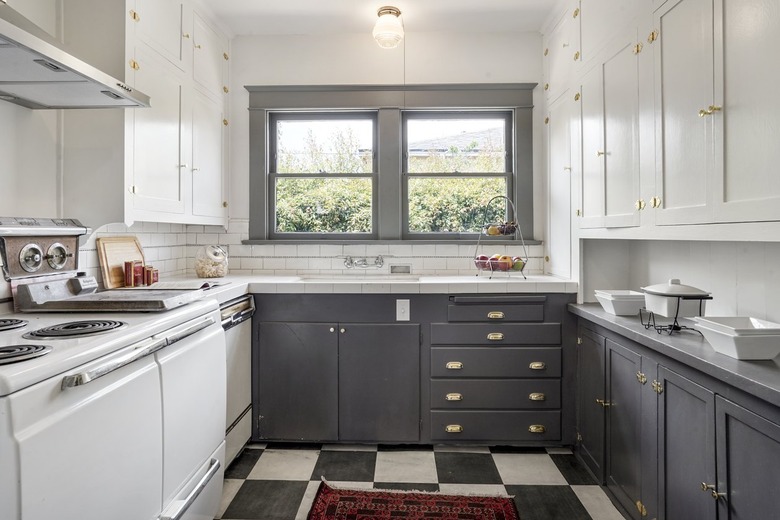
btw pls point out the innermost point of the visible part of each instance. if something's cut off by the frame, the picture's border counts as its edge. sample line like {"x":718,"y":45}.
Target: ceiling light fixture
{"x":388,"y":31}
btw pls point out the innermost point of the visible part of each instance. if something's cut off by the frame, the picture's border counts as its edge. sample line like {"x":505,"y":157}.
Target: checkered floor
{"x":279,"y":481}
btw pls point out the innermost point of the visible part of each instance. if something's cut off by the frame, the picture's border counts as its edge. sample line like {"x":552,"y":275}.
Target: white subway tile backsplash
{"x":207,"y":238}
{"x":273,"y":263}
{"x":237,"y":250}
{"x":308,"y":250}
{"x":263,"y":250}
{"x":423,"y":250}
{"x":446,"y":249}
{"x":296,"y":263}
{"x":285,"y":250}
{"x":331,"y":250}
{"x":355,"y":250}
{"x":251,"y":263}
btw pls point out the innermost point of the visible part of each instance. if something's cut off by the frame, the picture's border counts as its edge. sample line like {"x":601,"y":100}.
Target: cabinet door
{"x":160,"y":25}
{"x":598,"y":20}
{"x":686,"y":444}
{"x":379,"y":382}
{"x":746,"y":183}
{"x":158,"y":168}
{"x":623,"y":403}
{"x":207,"y":146}
{"x":559,"y":55}
{"x":208,"y":57}
{"x":592,"y":149}
{"x":748,"y":472}
{"x":296,"y":366}
{"x":591,"y":387}
{"x":559,"y":193}
{"x":621,"y":133}
{"x":684,"y":83}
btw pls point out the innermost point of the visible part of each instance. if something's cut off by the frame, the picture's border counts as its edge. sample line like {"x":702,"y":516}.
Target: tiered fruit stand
{"x":500,"y":263}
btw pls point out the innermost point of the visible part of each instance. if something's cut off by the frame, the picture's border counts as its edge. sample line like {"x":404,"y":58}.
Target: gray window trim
{"x":389,"y":101}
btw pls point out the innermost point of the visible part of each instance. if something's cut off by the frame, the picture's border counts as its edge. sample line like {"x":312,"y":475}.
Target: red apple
{"x":482,"y":261}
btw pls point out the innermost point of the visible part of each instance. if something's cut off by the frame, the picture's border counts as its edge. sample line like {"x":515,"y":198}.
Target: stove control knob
{"x":57,"y":256}
{"x":31,"y":257}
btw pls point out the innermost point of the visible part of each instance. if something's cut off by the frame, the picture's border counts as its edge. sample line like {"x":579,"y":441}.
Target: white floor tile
{"x":596,"y":503}
{"x":528,"y":469}
{"x":285,"y":465}
{"x":229,"y":489}
{"x":308,"y":500}
{"x":405,"y":466}
{"x":473,"y":489}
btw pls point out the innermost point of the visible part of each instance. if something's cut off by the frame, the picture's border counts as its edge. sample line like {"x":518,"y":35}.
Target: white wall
{"x":357,"y":59}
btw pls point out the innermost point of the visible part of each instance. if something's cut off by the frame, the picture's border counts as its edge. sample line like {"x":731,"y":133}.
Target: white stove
{"x":106,"y":414}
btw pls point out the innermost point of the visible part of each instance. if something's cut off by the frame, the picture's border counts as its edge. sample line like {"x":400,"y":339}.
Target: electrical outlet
{"x":402,"y":310}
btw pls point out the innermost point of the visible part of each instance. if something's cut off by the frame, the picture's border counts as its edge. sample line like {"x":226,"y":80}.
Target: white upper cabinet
{"x":161,"y":25}
{"x":209,"y":56}
{"x":560,"y":208}
{"x":747,"y":127}
{"x":207,"y":158}
{"x":591,"y":98}
{"x":684,"y":93}
{"x":600,"y":20}
{"x":560,"y":52}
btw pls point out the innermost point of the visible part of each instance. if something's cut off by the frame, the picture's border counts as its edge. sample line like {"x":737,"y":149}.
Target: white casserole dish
{"x":674,"y":299}
{"x":748,"y":346}
{"x":620,"y":302}
{"x":740,"y":325}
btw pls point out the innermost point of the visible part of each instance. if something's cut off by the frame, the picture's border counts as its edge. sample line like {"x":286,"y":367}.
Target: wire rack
{"x":503,"y":265}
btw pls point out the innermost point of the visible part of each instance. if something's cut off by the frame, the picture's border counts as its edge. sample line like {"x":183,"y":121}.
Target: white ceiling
{"x":353,"y":16}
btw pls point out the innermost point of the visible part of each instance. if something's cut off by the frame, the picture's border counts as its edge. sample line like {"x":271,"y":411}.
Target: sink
{"x":358,"y":278}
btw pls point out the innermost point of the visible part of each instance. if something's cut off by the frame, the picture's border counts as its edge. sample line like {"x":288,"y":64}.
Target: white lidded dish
{"x":756,"y":343}
{"x":674,"y":299}
{"x":620,"y":302}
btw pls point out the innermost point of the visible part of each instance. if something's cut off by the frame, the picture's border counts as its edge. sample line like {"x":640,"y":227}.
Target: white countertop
{"x":233,"y":286}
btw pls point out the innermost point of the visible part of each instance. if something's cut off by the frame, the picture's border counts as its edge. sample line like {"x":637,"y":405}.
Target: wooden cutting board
{"x":113,"y":252}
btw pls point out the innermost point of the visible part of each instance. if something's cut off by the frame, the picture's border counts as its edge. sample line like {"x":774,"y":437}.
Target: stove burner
{"x":14,"y":353}
{"x":75,"y":329}
{"x":11,"y":324}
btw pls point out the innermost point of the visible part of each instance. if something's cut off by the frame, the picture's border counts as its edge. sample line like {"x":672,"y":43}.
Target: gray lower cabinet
{"x":678,"y":445}
{"x":338,"y":382}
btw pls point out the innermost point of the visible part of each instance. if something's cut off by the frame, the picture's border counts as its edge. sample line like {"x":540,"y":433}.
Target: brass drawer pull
{"x":453,"y":428}
{"x":495,"y":336}
{"x":603,"y":403}
{"x":537,"y":396}
{"x":495,"y":315}
{"x":454,"y":365}
{"x":537,"y":428}
{"x":538,"y":365}
{"x":454,"y":397}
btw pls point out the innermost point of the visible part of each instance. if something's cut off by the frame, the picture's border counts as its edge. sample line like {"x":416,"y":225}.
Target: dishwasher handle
{"x":137,"y":351}
{"x":180,"y":506}
{"x":237,"y":311}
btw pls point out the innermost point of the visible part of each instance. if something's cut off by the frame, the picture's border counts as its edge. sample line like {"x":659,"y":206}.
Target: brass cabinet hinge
{"x":657,"y":387}
{"x":224,"y":204}
{"x":637,"y":48}
{"x":134,"y":65}
{"x":641,"y":508}
{"x":576,"y":13}
{"x":134,"y":16}
{"x":641,"y":378}
{"x":579,"y":437}
{"x":546,"y":52}
{"x":132,"y":189}
{"x":547,"y":120}
{"x":653,"y":36}
{"x":579,"y":213}
{"x":577,"y":96}
{"x":225,"y":55}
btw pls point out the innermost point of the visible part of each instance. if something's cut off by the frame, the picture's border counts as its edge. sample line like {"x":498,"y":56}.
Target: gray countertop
{"x":759,"y":378}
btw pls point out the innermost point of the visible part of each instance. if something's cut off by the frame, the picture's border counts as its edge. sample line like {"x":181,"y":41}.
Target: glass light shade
{"x":388,"y":31}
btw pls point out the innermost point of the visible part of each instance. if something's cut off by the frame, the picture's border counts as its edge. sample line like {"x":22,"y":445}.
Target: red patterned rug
{"x":350,"y":504}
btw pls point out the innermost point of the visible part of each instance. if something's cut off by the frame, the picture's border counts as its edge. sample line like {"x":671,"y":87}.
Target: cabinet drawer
{"x":500,"y":362}
{"x":496,"y":334}
{"x":496,"y":313}
{"x":496,"y":426}
{"x":517,"y":394}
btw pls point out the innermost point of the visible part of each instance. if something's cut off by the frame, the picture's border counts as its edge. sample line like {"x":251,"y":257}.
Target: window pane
{"x":454,"y":205}
{"x":469,"y":145}
{"x":323,"y":205}
{"x":324,"y":146}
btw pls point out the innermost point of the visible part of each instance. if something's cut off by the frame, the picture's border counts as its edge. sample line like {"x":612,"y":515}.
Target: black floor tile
{"x":294,"y":446}
{"x":573,"y":471}
{"x":466,"y":468}
{"x":349,"y":466}
{"x":515,"y":449}
{"x":406,"y":486}
{"x":404,"y":447}
{"x":243,"y":464}
{"x":547,"y":503}
{"x":267,"y":500}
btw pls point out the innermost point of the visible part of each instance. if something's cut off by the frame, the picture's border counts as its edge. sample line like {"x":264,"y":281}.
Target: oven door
{"x":90,"y":451}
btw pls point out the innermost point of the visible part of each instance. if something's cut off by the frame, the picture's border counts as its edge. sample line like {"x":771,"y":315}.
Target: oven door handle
{"x":138,"y":351}
{"x":180,"y":506}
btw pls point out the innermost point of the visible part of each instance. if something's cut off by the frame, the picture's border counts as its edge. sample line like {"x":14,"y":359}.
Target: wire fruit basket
{"x":500,"y":263}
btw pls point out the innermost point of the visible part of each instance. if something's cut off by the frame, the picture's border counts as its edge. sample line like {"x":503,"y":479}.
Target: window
{"x":322,"y":173}
{"x":454,"y":162}
{"x":388,"y":162}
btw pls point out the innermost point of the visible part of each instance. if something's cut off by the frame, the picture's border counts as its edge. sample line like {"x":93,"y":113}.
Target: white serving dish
{"x":620,"y":302}
{"x":740,"y":325}
{"x":757,"y":346}
{"x":664,"y":300}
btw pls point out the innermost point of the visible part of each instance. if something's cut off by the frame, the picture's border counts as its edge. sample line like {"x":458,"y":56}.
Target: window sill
{"x":470,"y":241}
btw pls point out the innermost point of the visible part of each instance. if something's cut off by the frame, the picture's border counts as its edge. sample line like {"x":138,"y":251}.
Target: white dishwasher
{"x":237,"y":322}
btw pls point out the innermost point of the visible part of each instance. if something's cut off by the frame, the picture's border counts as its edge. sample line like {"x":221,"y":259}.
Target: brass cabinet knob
{"x":225,"y":89}
{"x":537,"y":428}
{"x":577,"y":96}
{"x":537,"y":365}
{"x":134,"y":16}
{"x":495,"y":336}
{"x":453,"y":428}
{"x":576,"y":55}
{"x":537,"y":396}
{"x":495,"y":315}
{"x":576,"y":13}
{"x":641,"y":378}
{"x":454,"y":365}
{"x":454,"y":397}
{"x":546,"y":86}
{"x":599,"y":153}
{"x":603,"y":403}
{"x":134,"y":65}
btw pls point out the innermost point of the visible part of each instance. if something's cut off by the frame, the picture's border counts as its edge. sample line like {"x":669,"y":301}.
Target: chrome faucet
{"x":363,"y":263}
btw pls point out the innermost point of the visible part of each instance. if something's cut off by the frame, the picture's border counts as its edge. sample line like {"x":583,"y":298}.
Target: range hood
{"x":36,"y":73}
